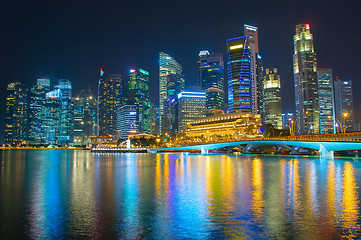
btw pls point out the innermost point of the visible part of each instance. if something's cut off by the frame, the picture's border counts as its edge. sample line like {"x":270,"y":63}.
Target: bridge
{"x":326,"y":144}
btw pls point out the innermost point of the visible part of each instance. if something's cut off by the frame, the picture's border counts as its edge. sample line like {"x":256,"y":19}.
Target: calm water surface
{"x":55,"y":194}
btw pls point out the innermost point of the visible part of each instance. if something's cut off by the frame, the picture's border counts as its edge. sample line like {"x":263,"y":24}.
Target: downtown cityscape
{"x":180,"y":120}
{"x":230,"y":96}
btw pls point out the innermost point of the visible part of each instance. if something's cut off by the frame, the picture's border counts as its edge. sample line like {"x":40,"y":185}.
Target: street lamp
{"x":339,"y":123}
{"x":344,"y":115}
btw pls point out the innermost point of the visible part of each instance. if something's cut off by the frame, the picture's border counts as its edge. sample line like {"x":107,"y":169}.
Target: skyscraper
{"x":16,"y":122}
{"x":344,"y":104}
{"x":167,"y":65}
{"x":211,"y":77}
{"x":306,"y":85}
{"x":239,"y":70}
{"x":257,"y":69}
{"x":109,"y":101}
{"x":191,"y":106}
{"x":66,"y":121}
{"x":137,"y":93}
{"x":52,"y":116}
{"x":37,"y":111}
{"x":85,"y":117}
{"x":272,"y":98}
{"x":326,"y":100}
{"x":175,"y":84}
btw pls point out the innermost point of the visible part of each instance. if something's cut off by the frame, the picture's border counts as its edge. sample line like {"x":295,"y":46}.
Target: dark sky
{"x":73,"y":39}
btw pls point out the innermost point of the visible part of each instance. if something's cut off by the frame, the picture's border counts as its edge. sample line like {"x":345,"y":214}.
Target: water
{"x":55,"y":194}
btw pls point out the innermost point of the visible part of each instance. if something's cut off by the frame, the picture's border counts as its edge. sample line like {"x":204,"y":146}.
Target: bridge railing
{"x":341,"y":137}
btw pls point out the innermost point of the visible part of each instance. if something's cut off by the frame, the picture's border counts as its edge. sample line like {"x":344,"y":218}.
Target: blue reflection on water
{"x":79,"y":195}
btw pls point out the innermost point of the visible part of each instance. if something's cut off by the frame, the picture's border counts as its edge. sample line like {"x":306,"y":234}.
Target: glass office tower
{"x":344,"y":104}
{"x":326,"y":100}
{"x":191,"y":106}
{"x":239,"y":75}
{"x":272,"y":98}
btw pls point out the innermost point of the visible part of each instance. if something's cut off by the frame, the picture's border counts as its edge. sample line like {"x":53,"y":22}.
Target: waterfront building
{"x":85,"y":117}
{"x":239,"y":75}
{"x":231,"y":126}
{"x":272,"y":98}
{"x":257,"y":69}
{"x":16,"y":121}
{"x":109,"y":101}
{"x":167,"y":66}
{"x":154,"y":116}
{"x":326,"y":100}
{"x":344,"y":104}
{"x":37,"y":111}
{"x":66,"y":120}
{"x":191,"y":106}
{"x":175,"y":84}
{"x":211,"y":77}
{"x":128,"y":119}
{"x":305,"y":79}
{"x":137,"y":93}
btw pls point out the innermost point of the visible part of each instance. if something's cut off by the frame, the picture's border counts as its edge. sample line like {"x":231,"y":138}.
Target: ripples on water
{"x":79,"y":195}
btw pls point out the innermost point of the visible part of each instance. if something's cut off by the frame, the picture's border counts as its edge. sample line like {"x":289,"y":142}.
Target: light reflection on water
{"x":76,"y":194}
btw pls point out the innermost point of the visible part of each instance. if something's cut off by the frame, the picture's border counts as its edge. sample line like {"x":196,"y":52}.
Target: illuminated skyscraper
{"x":66,"y":121}
{"x":137,"y":93}
{"x":344,"y":103}
{"x":52,"y":116}
{"x":191,"y":106}
{"x":85,"y":117}
{"x":37,"y":111}
{"x":239,"y":75}
{"x":167,"y":66}
{"x":16,"y":122}
{"x":211,"y":77}
{"x":257,"y":69}
{"x":306,"y":85}
{"x":272,"y":98}
{"x":326,"y":100}
{"x":109,"y":101}
{"x":175,"y":84}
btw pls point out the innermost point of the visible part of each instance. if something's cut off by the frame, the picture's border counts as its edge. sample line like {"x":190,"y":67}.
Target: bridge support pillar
{"x":324,"y":152}
{"x":128,"y":143}
{"x":204,"y":151}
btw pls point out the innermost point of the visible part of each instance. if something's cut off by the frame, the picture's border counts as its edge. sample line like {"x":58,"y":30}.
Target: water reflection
{"x":79,"y":195}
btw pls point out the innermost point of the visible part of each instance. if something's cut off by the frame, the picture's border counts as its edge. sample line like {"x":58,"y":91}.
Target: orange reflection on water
{"x":257,"y":183}
{"x":350,"y":203}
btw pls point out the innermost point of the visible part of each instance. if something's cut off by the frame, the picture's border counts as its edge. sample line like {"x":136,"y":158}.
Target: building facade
{"x":211,"y":77}
{"x":272,"y":98}
{"x":16,"y":120}
{"x":344,"y":105}
{"x":191,"y":106}
{"x":306,"y":84}
{"x":239,"y":75}
{"x":128,"y":120}
{"x":326,"y":100}
{"x":109,"y":101}
{"x":231,"y":126}
{"x":85,"y":117}
{"x":167,"y":66}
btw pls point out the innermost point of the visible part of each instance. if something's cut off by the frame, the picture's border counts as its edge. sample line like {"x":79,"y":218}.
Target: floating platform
{"x":119,"y":150}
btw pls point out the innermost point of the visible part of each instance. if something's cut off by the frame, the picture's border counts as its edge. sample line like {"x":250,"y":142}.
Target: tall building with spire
{"x":239,"y":75}
{"x":211,"y":77}
{"x":109,"y":101}
{"x":167,"y":66}
{"x":305,"y":80}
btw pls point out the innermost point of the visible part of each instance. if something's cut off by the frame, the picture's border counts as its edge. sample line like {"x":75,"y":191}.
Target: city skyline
{"x":42,"y":60}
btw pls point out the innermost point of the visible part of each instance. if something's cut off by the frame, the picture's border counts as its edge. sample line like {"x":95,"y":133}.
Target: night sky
{"x":73,"y":39}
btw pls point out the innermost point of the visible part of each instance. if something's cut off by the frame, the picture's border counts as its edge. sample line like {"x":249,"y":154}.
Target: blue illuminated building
{"x":239,"y":75}
{"x":344,"y":104}
{"x":326,"y":100}
{"x":128,"y":120}
{"x":191,"y":106}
